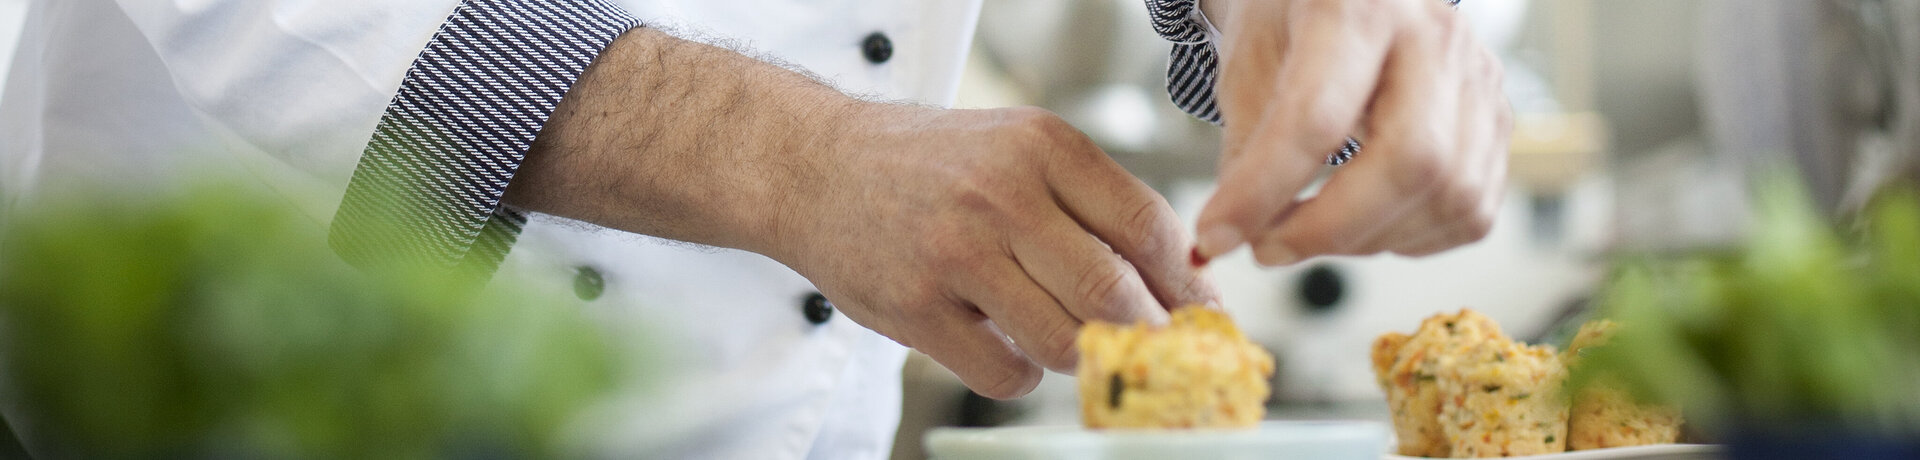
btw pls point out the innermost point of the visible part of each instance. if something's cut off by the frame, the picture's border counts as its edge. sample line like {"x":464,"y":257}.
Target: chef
{"x":768,"y":189}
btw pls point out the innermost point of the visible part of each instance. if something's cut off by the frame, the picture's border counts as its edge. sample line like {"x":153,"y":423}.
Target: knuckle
{"x":1148,"y":228}
{"x":921,"y":302}
{"x":1057,"y":346}
{"x":1047,"y":136}
{"x":973,"y":191}
{"x":980,"y":193}
{"x":1417,"y":170}
{"x":1477,"y":226}
{"x":1491,"y":68}
{"x":1503,"y":122}
{"x":1099,"y":289}
{"x":948,"y":247}
{"x":1324,"y":124}
{"x":1034,"y":123}
{"x":1458,"y":201}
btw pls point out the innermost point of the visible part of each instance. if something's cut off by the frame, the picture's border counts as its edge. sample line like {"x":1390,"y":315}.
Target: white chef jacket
{"x":140,"y":92}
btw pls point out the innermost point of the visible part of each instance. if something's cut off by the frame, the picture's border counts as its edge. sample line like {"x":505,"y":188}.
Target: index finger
{"x":968,"y":343}
{"x":1333,"y":55}
{"x":1137,"y":223}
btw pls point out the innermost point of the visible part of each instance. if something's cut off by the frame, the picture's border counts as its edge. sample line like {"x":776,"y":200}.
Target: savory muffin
{"x":1408,"y":369}
{"x":1605,"y":416}
{"x":1196,"y":372}
{"x":1502,"y":399}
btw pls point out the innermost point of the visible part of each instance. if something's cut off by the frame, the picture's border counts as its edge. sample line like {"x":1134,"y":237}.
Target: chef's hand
{"x":1406,"y":77}
{"x":950,"y":231}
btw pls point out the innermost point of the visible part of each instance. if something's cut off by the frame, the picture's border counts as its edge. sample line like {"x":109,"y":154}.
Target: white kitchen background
{"x":12,"y":14}
{"x":1588,"y":96}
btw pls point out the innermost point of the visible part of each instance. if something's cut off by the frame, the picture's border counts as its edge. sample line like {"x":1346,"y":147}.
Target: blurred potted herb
{"x":1804,"y":342}
{"x":211,"y":322}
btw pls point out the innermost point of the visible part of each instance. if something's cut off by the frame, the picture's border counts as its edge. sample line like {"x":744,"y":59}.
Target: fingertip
{"x":1073,"y":362}
{"x":1157,"y":316}
{"x":1216,"y":240}
{"x":1143,"y":309}
{"x":1197,"y":260}
{"x":1275,"y":252}
{"x":1199,"y":290}
{"x":1017,"y":382}
{"x":1252,"y":192}
{"x":1234,"y":203}
{"x":1208,"y":292}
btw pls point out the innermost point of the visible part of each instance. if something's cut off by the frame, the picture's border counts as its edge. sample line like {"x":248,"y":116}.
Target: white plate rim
{"x":1647,"y":452}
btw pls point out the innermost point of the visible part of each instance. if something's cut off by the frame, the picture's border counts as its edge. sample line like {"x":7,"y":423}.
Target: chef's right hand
{"x":951,"y":231}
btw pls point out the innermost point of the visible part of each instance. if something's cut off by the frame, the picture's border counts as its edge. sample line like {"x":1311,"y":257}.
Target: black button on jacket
{"x":817,"y":309}
{"x":877,"y":47}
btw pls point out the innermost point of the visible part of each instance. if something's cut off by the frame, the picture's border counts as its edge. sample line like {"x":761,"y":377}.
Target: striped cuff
{"x":428,"y":187}
{"x":1194,"y":61}
{"x":1190,"y":71}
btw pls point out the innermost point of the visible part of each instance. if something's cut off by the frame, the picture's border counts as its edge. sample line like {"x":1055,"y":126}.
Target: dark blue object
{"x":1821,"y":444}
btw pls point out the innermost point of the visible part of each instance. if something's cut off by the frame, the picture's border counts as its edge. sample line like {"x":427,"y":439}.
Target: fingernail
{"x":1218,"y":241}
{"x":1275,"y":255}
{"x":1196,"y":259}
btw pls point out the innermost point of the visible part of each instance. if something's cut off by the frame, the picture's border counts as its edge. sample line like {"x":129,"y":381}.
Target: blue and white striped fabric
{"x":1193,"y":63}
{"x":1190,"y":72}
{"x":427,"y":189}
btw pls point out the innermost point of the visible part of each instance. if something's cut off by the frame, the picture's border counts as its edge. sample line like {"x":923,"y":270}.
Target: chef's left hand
{"x":1297,"y":77}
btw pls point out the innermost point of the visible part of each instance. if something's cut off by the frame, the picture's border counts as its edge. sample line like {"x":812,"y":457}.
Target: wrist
{"x":806,"y":159}
{"x":830,"y":158}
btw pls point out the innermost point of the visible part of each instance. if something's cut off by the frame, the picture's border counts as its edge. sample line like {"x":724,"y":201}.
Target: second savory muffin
{"x":1408,"y":367}
{"x":1604,"y":416}
{"x":1502,"y":399}
{"x":1196,"y":372}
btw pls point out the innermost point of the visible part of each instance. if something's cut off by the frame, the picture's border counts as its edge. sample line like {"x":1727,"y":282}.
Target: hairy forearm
{"x":681,"y":140}
{"x":995,"y":232}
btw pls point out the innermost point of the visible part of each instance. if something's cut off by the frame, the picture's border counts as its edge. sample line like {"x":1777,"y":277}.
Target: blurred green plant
{"x":1802,"y":325}
{"x":214,"y":322}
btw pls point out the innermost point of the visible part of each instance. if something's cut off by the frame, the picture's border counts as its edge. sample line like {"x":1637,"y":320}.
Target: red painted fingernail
{"x":1197,"y":259}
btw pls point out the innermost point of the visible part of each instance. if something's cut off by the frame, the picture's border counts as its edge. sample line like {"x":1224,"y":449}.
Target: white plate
{"x":1653,"y":452}
{"x":1274,"y":440}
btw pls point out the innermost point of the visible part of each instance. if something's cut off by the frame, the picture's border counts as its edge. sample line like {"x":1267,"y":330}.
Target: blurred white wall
{"x":12,"y":15}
